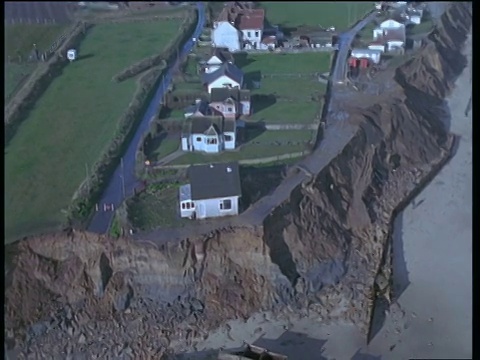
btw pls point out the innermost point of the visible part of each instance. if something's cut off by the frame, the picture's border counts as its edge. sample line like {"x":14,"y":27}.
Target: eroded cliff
{"x":325,"y":250}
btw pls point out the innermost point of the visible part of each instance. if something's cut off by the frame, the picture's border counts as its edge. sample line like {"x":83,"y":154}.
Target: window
{"x":249,"y":34}
{"x":226,"y":204}
{"x":188,"y":206}
{"x":256,"y":33}
{"x":211,"y":141}
{"x":199,"y":139}
{"x":230,"y":109}
{"x":192,"y":204}
{"x":228,"y":138}
{"x":183,"y":206}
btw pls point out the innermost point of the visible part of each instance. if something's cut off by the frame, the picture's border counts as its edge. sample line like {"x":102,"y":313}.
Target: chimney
{"x":229,"y":169}
{"x":198,"y":101}
{"x":211,"y":166}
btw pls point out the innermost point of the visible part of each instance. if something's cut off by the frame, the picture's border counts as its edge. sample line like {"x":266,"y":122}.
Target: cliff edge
{"x":324,"y":253}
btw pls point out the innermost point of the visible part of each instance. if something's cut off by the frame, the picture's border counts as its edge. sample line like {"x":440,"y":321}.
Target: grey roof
{"x":222,"y":94}
{"x":199,"y":125}
{"x":214,"y":180}
{"x":203,"y":107}
{"x":226,"y":69}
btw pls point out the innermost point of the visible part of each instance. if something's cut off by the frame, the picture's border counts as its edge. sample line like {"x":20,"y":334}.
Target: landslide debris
{"x":326,"y":249}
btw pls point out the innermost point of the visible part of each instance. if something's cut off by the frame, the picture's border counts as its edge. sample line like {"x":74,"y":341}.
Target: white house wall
{"x":245,"y":110}
{"x":377,"y":47}
{"x":226,"y":35}
{"x":230,"y":145}
{"x":211,"y":208}
{"x":392,"y":45}
{"x":255,"y":36}
{"x":185,"y":143}
{"x":220,"y":83}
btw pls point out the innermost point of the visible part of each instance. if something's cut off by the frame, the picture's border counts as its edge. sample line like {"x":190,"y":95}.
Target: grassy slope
{"x":72,"y":123}
{"x":19,"y":39}
{"x":323,"y":13}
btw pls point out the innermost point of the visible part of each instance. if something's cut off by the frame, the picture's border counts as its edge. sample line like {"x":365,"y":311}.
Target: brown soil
{"x":325,"y":248}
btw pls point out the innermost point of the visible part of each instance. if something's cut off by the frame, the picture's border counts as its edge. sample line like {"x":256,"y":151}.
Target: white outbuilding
{"x":72,"y":54}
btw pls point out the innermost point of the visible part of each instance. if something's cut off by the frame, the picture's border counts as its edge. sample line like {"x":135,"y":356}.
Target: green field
{"x":15,"y":77}
{"x":18,"y":45}
{"x":72,"y":124}
{"x":154,"y":207}
{"x":341,"y":14}
{"x":163,"y":148}
{"x":287,"y":112}
{"x":301,"y":63}
{"x":293,"y":94}
{"x":269,"y":143}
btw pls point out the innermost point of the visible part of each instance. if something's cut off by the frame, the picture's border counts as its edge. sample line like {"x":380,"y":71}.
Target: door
{"x":201,"y":210}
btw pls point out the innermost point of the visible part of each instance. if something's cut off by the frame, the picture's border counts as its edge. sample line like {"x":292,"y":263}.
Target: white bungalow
{"x":213,"y":191}
{"x":211,"y":134}
{"x":227,"y":76}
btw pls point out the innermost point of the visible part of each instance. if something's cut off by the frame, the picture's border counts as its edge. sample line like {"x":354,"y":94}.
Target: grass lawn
{"x":291,"y":88}
{"x":283,"y":112}
{"x":154,"y":207}
{"x":19,"y":40}
{"x":164,"y":148}
{"x":340,"y":14}
{"x":15,"y":75}
{"x":72,"y":123}
{"x":269,"y":143}
{"x":272,"y":63}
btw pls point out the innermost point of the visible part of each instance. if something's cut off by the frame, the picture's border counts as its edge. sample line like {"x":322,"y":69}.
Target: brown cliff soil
{"x":326,"y":248}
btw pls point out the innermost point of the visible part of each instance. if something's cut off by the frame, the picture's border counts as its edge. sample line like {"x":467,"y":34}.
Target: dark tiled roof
{"x":203,"y":107}
{"x":226,"y":69}
{"x":229,"y":125}
{"x":199,"y":125}
{"x":250,"y":19}
{"x":221,"y":94}
{"x":223,"y":54}
{"x":214,"y":180}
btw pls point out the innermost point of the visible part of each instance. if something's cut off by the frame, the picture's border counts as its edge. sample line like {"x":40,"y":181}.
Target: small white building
{"x":209,"y":134}
{"x":387,"y":25}
{"x":250,"y":23}
{"x":227,"y":76}
{"x":225,"y":35}
{"x":372,"y":54}
{"x":214,"y":190}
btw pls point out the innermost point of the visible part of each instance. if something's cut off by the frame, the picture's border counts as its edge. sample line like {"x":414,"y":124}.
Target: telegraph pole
{"x":123,"y":177}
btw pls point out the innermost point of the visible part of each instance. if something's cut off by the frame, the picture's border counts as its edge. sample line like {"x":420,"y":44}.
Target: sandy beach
{"x":433,"y":275}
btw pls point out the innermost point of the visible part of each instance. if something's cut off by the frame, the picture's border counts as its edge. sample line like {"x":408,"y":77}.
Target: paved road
{"x":114,"y":192}
{"x":344,"y":45}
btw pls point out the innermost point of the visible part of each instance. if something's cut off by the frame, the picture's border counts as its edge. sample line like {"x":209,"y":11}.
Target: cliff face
{"x":325,"y":249}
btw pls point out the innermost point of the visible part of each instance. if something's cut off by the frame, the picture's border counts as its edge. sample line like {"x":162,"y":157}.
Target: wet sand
{"x":433,"y":269}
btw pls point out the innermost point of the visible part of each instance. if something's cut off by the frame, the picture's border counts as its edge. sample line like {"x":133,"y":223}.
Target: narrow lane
{"x":124,"y":181}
